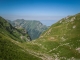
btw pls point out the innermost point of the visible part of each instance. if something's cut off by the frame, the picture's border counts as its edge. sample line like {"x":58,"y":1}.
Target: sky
{"x":46,"y":11}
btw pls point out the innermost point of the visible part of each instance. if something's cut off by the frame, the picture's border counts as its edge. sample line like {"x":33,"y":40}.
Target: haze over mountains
{"x":59,"y":42}
{"x":44,"y":30}
{"x":34,"y":28}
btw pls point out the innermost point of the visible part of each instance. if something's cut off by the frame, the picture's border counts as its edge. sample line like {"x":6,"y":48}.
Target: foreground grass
{"x":11,"y":51}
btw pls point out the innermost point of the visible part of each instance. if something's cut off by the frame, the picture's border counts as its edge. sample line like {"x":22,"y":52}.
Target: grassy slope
{"x":11,"y":51}
{"x":9,"y":44}
{"x":60,"y":41}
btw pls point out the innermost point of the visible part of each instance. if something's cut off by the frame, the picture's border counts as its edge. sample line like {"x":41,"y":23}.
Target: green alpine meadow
{"x":61,"y":41}
{"x":39,"y":29}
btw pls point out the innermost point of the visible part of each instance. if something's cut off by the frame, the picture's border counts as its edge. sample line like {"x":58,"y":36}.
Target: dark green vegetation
{"x":60,"y":42}
{"x":9,"y":43}
{"x":34,"y":28}
{"x":11,"y":51}
{"x":18,"y":34}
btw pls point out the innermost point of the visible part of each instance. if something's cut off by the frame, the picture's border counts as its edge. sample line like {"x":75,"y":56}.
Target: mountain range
{"x":61,"y":41}
{"x":34,"y":28}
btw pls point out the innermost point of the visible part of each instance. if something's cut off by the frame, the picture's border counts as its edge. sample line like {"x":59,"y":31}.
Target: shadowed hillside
{"x":9,"y":40}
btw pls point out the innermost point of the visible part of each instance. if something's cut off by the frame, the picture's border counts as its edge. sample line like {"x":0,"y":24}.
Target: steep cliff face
{"x":34,"y":28}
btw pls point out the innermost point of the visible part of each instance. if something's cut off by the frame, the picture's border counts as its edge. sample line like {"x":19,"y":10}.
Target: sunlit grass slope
{"x":61,"y":41}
